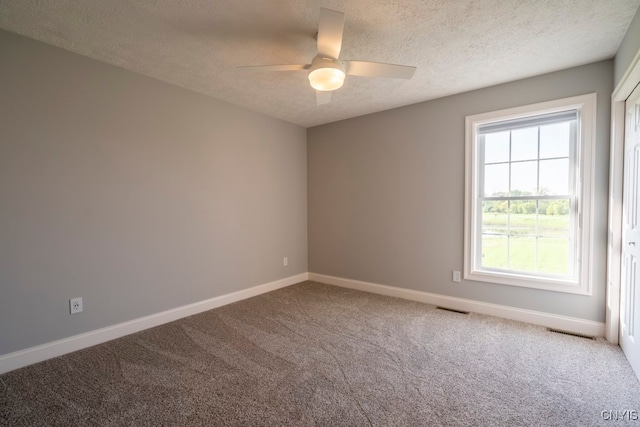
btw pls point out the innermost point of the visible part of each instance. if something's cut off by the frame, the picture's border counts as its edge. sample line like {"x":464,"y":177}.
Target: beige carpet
{"x":313,"y":354}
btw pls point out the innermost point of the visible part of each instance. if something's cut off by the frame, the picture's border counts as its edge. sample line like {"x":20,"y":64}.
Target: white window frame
{"x":586,"y":134}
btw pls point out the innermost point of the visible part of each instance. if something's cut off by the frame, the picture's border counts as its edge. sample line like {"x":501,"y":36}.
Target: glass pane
{"x":496,"y":179}
{"x":553,"y":256}
{"x":554,"y":219}
{"x":555,"y":238}
{"x":494,"y":234}
{"x":494,"y":217}
{"x":496,"y":147}
{"x":524,"y":178}
{"x":522,"y":251}
{"x":522,"y":235}
{"x":522,"y":224}
{"x":554,"y":177}
{"x":524,"y":207}
{"x":494,"y":251}
{"x":554,"y":140}
{"x":524,"y":144}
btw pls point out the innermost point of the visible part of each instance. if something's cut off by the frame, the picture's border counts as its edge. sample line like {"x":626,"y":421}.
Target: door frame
{"x":627,"y":84}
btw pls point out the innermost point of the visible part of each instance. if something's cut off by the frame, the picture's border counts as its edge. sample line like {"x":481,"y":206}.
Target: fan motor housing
{"x":323,"y":61}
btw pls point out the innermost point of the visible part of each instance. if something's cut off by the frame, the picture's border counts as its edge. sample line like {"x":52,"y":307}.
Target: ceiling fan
{"x":326,"y":71}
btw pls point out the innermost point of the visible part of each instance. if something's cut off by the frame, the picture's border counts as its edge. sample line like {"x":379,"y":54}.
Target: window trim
{"x":586,"y":104}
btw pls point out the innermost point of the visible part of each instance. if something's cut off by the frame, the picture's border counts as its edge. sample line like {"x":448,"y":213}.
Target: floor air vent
{"x":573,"y":334}
{"x":452,"y":310}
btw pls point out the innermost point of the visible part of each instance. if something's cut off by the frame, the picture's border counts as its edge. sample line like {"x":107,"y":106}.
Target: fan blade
{"x":292,"y":67}
{"x":323,"y":97}
{"x":378,"y":69}
{"x":330,"y":28}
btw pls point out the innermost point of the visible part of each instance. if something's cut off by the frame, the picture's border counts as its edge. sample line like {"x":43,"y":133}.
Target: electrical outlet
{"x":456,"y":276}
{"x":75,"y":305}
{"x":285,"y":261}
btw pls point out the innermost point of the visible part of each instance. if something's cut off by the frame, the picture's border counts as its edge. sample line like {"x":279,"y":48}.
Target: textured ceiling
{"x":457,"y":45}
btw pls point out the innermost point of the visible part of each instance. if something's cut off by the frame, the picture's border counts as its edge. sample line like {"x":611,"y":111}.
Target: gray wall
{"x":628,"y":49}
{"x":134,"y":194}
{"x":386,"y":193}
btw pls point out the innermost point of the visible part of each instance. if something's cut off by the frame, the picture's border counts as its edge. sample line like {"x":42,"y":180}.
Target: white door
{"x":630,"y":283}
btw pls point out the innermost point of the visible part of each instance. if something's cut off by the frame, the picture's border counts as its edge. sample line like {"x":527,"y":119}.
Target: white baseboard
{"x":19,"y":359}
{"x":565,"y":323}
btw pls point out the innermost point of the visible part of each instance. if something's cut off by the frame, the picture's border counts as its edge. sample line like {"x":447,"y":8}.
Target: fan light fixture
{"x":326,"y":74}
{"x":326,"y":79}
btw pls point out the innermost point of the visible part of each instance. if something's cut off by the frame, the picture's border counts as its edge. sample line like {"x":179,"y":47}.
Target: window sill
{"x":510,"y":279}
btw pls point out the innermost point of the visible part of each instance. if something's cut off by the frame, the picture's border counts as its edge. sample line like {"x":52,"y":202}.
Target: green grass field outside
{"x":523,"y":247}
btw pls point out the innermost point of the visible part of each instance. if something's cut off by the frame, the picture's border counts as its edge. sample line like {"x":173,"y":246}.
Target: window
{"x":528,"y":195}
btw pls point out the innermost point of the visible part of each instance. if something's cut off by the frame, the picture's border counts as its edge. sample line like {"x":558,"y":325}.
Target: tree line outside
{"x":542,"y":207}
